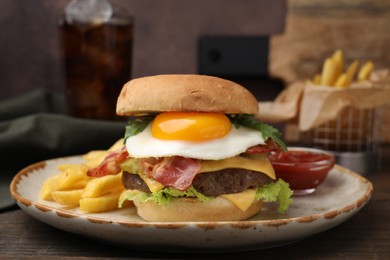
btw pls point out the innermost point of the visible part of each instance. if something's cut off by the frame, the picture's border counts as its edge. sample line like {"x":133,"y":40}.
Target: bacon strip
{"x":269,"y":146}
{"x":148,"y":165}
{"x":110,"y":164}
{"x":177,"y":172}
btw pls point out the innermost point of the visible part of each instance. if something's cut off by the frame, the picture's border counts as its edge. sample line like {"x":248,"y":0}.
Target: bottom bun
{"x":187,"y":209}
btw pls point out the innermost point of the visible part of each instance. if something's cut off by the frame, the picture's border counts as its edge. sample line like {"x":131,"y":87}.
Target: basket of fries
{"x":339,"y":110}
{"x":348,"y":117}
{"x":349,"y":107}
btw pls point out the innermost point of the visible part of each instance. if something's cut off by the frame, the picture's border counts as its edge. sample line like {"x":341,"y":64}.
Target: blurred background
{"x":290,"y":40}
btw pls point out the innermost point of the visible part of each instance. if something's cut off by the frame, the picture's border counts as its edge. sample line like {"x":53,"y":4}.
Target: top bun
{"x":184,"y":93}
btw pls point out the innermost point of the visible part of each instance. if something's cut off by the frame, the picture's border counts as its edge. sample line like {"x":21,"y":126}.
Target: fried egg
{"x":206,"y":136}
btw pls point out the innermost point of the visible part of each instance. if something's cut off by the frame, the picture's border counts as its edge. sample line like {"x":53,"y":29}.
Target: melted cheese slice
{"x":240,"y":162}
{"x":263,"y":166}
{"x":153,"y":185}
{"x":243,"y":200}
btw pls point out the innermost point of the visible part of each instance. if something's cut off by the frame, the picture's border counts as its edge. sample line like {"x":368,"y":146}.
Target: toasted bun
{"x":185,"y":93}
{"x":187,"y":209}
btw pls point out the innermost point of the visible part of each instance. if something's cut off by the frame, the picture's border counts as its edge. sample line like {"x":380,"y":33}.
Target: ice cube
{"x":88,"y":11}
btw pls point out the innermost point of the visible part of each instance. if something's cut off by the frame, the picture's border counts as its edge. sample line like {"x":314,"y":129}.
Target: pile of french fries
{"x":333,"y":73}
{"x":72,"y":187}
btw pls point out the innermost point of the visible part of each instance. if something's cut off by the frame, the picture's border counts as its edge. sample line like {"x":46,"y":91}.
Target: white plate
{"x":338,"y":198}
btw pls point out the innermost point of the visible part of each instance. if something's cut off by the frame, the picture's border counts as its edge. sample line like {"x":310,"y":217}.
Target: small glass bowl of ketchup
{"x":303,"y":168}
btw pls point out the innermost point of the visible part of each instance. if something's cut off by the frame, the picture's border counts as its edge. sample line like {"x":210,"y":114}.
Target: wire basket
{"x":354,"y":137}
{"x":352,"y":131}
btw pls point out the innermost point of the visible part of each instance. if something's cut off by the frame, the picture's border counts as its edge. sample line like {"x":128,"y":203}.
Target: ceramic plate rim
{"x":362,"y":200}
{"x":269,"y":230}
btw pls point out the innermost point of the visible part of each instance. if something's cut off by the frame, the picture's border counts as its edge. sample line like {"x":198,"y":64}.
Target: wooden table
{"x":365,"y":236}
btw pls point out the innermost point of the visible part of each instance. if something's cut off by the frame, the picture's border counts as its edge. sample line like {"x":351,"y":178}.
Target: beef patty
{"x":210,"y":183}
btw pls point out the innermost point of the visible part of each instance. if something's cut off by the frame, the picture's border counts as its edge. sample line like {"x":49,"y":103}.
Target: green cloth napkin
{"x":33,"y":127}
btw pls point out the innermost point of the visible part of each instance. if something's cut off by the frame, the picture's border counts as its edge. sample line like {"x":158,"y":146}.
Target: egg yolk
{"x":194,"y":127}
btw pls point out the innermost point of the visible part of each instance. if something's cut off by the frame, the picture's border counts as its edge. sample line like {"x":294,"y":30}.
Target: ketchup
{"x":302,"y":168}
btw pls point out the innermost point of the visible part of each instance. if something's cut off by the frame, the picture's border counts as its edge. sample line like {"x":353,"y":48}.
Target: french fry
{"x":317,"y":79}
{"x":67,"y":166}
{"x":338,"y":59}
{"x":332,"y":72}
{"x":50,"y":184}
{"x":104,"y":185}
{"x":61,"y":181}
{"x":365,"y":71}
{"x":328,"y":72}
{"x":72,"y":187}
{"x":117,"y":145}
{"x":94,"y":158}
{"x":74,"y":178}
{"x":351,"y":71}
{"x":70,"y":198}
{"x":341,"y":81}
{"x":100,"y":204}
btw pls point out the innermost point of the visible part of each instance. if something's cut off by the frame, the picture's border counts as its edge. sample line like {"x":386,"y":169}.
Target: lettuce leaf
{"x":132,"y":195}
{"x":164,"y":196}
{"x":266,"y":130}
{"x":278,"y":191}
{"x":137,"y":125}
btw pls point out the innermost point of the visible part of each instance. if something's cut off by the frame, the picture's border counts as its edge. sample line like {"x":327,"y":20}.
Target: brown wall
{"x":28,"y":46}
{"x":166,"y":35}
{"x":166,"y":30}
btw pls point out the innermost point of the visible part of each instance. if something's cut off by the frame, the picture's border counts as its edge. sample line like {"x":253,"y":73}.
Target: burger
{"x":194,"y":151}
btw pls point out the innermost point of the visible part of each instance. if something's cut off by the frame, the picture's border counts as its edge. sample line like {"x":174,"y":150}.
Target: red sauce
{"x":302,"y":169}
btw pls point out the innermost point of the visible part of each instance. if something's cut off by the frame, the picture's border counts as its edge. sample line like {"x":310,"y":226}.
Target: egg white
{"x":237,"y":141}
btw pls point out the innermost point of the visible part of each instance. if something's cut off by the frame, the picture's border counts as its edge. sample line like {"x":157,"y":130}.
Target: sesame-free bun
{"x":184,"y":93}
{"x":188,"y":209}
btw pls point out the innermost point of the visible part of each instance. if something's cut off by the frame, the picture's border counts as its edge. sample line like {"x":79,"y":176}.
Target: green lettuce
{"x":137,"y":125}
{"x":266,"y":130}
{"x":164,"y":196}
{"x":278,"y":191}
